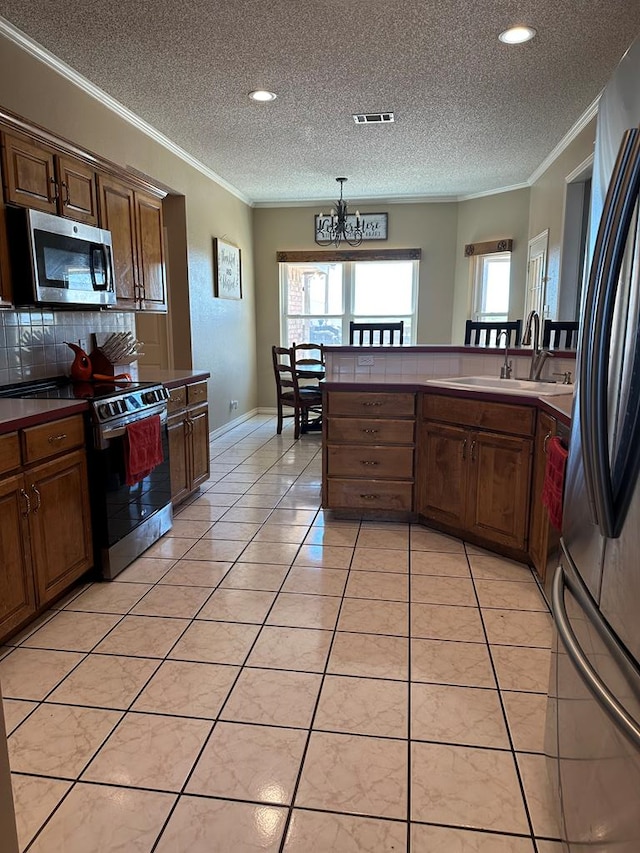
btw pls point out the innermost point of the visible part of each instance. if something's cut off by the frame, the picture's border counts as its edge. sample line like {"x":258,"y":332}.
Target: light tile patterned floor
{"x":269,"y":678}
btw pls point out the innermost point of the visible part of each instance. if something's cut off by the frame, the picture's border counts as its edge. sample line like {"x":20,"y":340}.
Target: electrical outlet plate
{"x":365,"y":361}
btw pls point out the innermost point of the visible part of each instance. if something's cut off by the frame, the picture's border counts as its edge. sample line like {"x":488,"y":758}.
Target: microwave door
{"x":99,"y":267}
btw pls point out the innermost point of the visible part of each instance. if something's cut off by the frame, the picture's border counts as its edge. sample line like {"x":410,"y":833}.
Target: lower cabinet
{"x":45,"y":526}
{"x":544,"y":538}
{"x":368,"y":453}
{"x":188,"y":428}
{"x":473,"y":479}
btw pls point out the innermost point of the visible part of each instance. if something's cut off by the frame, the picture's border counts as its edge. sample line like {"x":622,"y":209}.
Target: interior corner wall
{"x":430,"y":227}
{"x":491,"y":218}
{"x":222,"y":332}
{"x":547,"y":205}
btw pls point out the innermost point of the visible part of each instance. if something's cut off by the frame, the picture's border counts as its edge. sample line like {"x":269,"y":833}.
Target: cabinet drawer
{"x":177,"y":398}
{"x":498,"y":417}
{"x":370,"y":404}
{"x":49,"y":439}
{"x":370,"y":431}
{"x":196,"y":393}
{"x":369,"y":494}
{"x":9,"y":452}
{"x":393,"y":463}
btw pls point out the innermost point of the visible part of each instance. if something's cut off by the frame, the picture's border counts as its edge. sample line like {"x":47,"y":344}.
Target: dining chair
{"x":364,"y":334}
{"x":303,"y":401}
{"x":309,"y":363}
{"x":553,"y":330}
{"x":485,"y":334}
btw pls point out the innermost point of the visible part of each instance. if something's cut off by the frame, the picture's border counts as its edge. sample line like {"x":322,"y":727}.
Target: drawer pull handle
{"x":60,"y":437}
{"x":28,"y":502}
{"x":370,"y":431}
{"x":473,"y":451}
{"x":546,"y":439}
{"x":464,"y":450}
{"x":368,"y":462}
{"x":373,"y":403}
{"x":38,"y":498}
{"x":369,"y":497}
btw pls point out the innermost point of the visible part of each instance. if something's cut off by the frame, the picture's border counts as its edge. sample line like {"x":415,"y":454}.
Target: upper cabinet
{"x":135,"y":221}
{"x":36,"y":176}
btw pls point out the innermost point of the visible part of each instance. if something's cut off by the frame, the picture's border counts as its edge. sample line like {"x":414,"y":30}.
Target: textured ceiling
{"x":472,"y":114}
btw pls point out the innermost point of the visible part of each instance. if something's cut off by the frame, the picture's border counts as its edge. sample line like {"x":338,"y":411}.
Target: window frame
{"x":478,"y":285}
{"x":348,"y":296}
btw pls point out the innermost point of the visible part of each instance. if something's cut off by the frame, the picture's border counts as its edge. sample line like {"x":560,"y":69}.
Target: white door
{"x":537,"y":275}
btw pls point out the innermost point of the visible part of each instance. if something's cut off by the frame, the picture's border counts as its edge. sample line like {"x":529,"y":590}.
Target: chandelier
{"x":339,"y":225}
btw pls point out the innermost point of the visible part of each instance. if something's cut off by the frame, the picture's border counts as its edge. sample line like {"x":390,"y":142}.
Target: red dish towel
{"x":554,"y":480}
{"x":142,"y":449}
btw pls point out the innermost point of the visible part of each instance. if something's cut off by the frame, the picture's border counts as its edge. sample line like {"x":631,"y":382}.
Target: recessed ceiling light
{"x":517,"y":35}
{"x":262,"y":95}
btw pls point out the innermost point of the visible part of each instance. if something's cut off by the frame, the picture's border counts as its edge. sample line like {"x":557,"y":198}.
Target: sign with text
{"x":373,"y":225}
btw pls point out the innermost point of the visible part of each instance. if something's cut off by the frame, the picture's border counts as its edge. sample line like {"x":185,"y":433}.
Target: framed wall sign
{"x":374,"y":225}
{"x":227,"y":278}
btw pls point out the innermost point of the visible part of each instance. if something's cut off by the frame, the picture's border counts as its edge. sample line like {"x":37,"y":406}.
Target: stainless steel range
{"x":126,"y":519}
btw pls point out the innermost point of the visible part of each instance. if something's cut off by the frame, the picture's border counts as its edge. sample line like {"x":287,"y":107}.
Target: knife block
{"x":101,"y":364}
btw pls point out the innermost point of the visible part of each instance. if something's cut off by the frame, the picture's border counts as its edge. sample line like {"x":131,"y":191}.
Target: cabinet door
{"x":199,"y":439}
{"x":443,"y":454}
{"x":77,"y":182}
{"x":151,"y":267}
{"x":17,"y":595}
{"x":540,"y":535}
{"x":177,"y":429}
{"x":6,"y":292}
{"x":29,"y":174}
{"x":498,"y":497}
{"x":59,"y":523}
{"x":118,"y":215}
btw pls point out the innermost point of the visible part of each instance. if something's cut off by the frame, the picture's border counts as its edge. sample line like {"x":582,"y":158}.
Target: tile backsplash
{"x":32,"y":339}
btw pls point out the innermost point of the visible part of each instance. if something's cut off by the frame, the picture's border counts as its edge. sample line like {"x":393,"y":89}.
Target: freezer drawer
{"x":595,"y":756}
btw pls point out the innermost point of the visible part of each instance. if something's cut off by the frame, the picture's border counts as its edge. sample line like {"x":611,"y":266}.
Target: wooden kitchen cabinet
{"x":476,"y":480}
{"x":6,"y":289}
{"x":188,"y":429}
{"x":543,"y":538}
{"x":368,"y":452}
{"x":45,"y":527}
{"x":37,"y":176}
{"x":135,"y":222}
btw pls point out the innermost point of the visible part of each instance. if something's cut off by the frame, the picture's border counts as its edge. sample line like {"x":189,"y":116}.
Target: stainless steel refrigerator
{"x":593,"y":723}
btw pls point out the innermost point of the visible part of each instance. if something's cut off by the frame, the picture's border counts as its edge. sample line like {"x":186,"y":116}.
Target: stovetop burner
{"x":109,"y":401}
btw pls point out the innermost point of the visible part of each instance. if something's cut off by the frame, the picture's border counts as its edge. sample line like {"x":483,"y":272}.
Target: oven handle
{"x":106,"y":432}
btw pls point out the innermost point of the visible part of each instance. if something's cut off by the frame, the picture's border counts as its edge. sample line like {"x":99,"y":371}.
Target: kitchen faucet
{"x":505,"y":370}
{"x":538,"y":356}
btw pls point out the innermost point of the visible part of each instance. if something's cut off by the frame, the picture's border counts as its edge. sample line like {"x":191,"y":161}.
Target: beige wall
{"x":212,"y":334}
{"x":490,"y":218}
{"x":430,"y":227}
{"x":546,"y":207}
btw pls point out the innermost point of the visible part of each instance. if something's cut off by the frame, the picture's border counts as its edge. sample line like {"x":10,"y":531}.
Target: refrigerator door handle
{"x":598,"y":689}
{"x":600,"y":306}
{"x":586,"y":389}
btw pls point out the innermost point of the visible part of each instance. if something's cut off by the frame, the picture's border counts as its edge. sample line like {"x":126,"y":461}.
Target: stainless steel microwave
{"x":71,"y":263}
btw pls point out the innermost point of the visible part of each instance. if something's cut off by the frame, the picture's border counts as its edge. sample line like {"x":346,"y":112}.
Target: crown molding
{"x":523,"y":186}
{"x":567,"y":139}
{"x":36,"y":50}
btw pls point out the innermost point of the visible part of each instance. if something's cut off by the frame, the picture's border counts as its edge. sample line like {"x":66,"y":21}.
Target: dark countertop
{"x":171,"y":378}
{"x":558,"y":406}
{"x":18,"y":413}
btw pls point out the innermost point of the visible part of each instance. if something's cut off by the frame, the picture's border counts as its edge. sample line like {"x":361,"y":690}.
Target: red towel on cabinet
{"x":143,"y":449}
{"x":552,"y":490}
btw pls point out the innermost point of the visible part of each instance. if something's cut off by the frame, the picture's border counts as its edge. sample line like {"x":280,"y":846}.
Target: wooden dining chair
{"x":481,"y":334}
{"x":553,"y":331}
{"x":365,"y":334}
{"x":303,"y":401}
{"x":309,"y":363}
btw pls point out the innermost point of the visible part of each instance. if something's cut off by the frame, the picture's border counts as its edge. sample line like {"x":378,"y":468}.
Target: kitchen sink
{"x":509,"y":386}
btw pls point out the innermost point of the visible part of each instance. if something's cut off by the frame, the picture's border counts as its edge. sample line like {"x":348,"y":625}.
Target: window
{"x":491,"y":274}
{"x":318,"y":300}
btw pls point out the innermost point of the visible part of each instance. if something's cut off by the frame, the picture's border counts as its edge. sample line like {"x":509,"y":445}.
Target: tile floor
{"x":266,"y":678}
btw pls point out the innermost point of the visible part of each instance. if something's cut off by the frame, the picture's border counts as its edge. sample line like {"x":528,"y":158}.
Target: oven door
{"x":127,"y":519}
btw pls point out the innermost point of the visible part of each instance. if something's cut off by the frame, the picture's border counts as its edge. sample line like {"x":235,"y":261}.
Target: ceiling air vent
{"x":373,"y":118}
